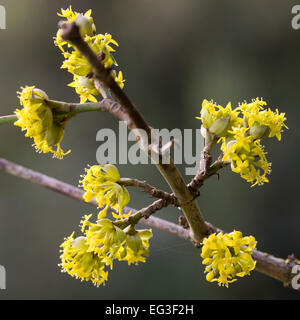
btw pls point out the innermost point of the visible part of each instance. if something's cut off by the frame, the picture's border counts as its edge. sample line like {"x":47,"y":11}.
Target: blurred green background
{"x":173,"y":54}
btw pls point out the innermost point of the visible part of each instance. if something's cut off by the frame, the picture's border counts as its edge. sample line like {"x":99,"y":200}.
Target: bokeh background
{"x":173,"y":54}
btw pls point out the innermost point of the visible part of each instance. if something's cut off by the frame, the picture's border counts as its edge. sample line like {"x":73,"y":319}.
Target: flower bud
{"x":54,"y":135}
{"x":210,"y":276}
{"x":80,"y":243}
{"x":134,"y":242}
{"x":47,"y":117}
{"x":111,"y":172}
{"x":120,"y":234}
{"x":85,"y":26}
{"x":259,"y":131}
{"x":219,"y":126}
{"x":39,"y":94}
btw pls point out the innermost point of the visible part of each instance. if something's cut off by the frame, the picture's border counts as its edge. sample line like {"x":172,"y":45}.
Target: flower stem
{"x":8,"y":119}
{"x":60,"y":108}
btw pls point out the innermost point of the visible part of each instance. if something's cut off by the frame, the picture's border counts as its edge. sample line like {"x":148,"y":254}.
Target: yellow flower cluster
{"x":227,"y":256}
{"x":240,"y":130}
{"x":103,"y":242}
{"x":217,"y":119}
{"x":101,"y":182}
{"x":37,"y":119}
{"x":71,"y":16}
{"x":246,"y":156}
{"x":87,"y":256}
{"x":81,"y":264}
{"x":262,"y":122}
{"x":77,"y":65}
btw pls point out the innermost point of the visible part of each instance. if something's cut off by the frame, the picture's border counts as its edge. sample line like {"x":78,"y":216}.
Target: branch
{"x":267,"y":264}
{"x":206,"y":170}
{"x":144,"y":213}
{"x":70,"y":32}
{"x":201,"y":176}
{"x":59,"y":108}
{"x":154,"y":192}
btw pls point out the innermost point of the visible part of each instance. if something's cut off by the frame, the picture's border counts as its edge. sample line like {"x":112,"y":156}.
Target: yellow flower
{"x":227,"y":256}
{"x":241,"y":131}
{"x":119,"y":79}
{"x":76,"y":64}
{"x":103,"y":237}
{"x":255,"y":116}
{"x":218,"y":120}
{"x":100,"y":181}
{"x":37,"y":119}
{"x":255,"y":106}
{"x":136,"y":247}
{"x":111,"y":242}
{"x":85,"y":88}
{"x":72,"y":16}
{"x":247,"y":157}
{"x":102,"y":43}
{"x":108,"y":240}
{"x":80,"y":263}
{"x":79,"y":66}
{"x":103,"y":242}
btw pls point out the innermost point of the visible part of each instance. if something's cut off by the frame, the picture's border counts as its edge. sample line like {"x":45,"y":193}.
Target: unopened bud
{"x":110,"y":172}
{"x":47,"y":117}
{"x":259,"y":132}
{"x":120,"y":234}
{"x":39,"y":94}
{"x":134,"y":242}
{"x":210,"y":276}
{"x":54,"y":135}
{"x":219,"y":126}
